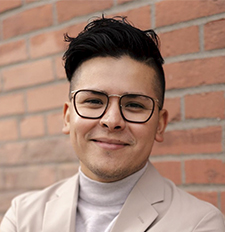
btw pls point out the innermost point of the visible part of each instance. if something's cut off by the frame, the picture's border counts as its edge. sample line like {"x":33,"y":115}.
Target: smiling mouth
{"x":110,"y":144}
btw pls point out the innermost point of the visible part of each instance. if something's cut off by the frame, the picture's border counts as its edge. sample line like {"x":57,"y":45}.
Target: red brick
{"x":55,"y":123}
{"x":48,"y":97}
{"x":139,"y":17}
{"x":205,"y":105}
{"x":205,"y":171}
{"x":52,"y":42}
{"x":8,"y":5}
{"x":1,"y":85}
{"x":67,"y":170}
{"x":28,"y":74}
{"x":171,"y":12}
{"x":74,"y":30}
{"x":214,"y":33}
{"x":6,"y":198}
{"x":37,"y":151}
{"x":223,"y":202}
{"x":170,"y":170}
{"x":31,"y":177}
{"x":8,"y":130}
{"x":211,"y":197}
{"x":47,"y":43}
{"x":13,"y":52}
{"x":1,"y":216}
{"x":193,"y":141}
{"x":26,"y":21}
{"x":69,"y":9}
{"x":195,"y":72}
{"x":182,"y":41}
{"x":11,"y":104}
{"x":59,"y":67}
{"x":2,"y":181}
{"x":51,"y":150}
{"x":12,"y":153}
{"x":173,"y":107}
{"x":123,"y":1}
{"x":32,"y":126}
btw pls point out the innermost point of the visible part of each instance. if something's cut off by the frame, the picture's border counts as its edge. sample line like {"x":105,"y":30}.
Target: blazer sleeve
{"x":8,"y":223}
{"x":213,"y":221}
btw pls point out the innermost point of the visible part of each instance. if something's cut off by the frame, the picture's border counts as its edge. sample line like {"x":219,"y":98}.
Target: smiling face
{"x":111,"y":148}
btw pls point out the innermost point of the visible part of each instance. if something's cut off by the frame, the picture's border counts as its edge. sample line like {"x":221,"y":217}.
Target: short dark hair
{"x":115,"y":37}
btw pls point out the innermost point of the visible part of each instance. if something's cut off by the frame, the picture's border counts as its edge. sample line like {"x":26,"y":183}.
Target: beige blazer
{"x":155,"y":204}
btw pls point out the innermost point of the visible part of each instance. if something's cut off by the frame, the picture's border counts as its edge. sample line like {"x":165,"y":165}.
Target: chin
{"x":110,"y":175}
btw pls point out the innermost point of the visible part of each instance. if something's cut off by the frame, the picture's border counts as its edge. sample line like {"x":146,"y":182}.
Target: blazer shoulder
{"x":46,"y":194}
{"x":30,"y":206}
{"x":190,"y":212}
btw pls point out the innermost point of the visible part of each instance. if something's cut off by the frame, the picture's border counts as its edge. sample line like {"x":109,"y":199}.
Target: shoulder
{"x":176,"y":209}
{"x":30,"y":206}
{"x":42,"y":196}
{"x":184,"y":200}
{"x":192,"y":212}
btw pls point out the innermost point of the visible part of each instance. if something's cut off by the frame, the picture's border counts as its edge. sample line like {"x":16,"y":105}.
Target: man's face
{"x":111,"y":148}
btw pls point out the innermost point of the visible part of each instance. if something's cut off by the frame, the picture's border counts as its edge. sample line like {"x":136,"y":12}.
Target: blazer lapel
{"x":138,"y":212}
{"x":60,"y":211}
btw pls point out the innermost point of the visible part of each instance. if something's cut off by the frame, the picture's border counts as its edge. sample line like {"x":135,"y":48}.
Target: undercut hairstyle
{"x":115,"y":37}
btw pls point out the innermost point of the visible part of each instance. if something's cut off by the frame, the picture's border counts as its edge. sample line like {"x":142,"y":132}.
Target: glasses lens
{"x":137,"y":108}
{"x":90,"y":104}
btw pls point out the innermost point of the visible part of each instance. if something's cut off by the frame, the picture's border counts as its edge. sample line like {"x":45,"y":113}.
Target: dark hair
{"x":115,"y":37}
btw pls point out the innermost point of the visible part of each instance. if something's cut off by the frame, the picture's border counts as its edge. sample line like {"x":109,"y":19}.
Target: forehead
{"x":115,"y":75}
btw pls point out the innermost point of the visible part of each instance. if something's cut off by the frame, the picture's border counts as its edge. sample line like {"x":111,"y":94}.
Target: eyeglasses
{"x":134,"y":108}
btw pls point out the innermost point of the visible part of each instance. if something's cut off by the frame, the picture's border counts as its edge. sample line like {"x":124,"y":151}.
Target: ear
{"x":66,"y":118}
{"x":162,"y":123}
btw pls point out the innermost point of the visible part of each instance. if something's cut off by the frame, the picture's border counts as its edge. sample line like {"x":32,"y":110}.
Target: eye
{"x":134,"y":106}
{"x":93,"y":101}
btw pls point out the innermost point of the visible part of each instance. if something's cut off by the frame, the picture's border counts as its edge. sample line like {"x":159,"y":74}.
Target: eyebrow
{"x":124,"y":93}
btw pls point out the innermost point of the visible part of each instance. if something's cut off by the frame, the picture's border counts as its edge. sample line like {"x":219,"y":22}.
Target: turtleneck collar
{"x":107,"y":194}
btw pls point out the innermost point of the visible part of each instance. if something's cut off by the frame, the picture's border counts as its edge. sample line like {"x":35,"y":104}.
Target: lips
{"x":111,"y":144}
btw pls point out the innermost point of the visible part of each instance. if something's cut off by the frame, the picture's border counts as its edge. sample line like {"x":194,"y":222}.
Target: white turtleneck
{"x":100,"y":203}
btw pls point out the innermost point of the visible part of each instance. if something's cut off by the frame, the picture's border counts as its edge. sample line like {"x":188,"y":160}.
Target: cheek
{"x":80,"y":128}
{"x":145,"y":131}
{"x":145,"y":136}
{"x":77,"y":128}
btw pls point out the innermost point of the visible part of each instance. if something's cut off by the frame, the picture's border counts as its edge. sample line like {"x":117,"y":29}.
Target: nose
{"x":112,"y":118}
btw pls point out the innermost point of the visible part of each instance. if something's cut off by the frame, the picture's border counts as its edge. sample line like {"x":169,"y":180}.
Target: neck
{"x":114,"y":193}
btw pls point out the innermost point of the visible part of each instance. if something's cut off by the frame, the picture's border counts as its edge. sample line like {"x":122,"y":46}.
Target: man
{"x":114,"y":115}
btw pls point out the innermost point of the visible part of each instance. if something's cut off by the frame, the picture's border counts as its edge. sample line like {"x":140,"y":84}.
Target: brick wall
{"x":33,"y":151}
